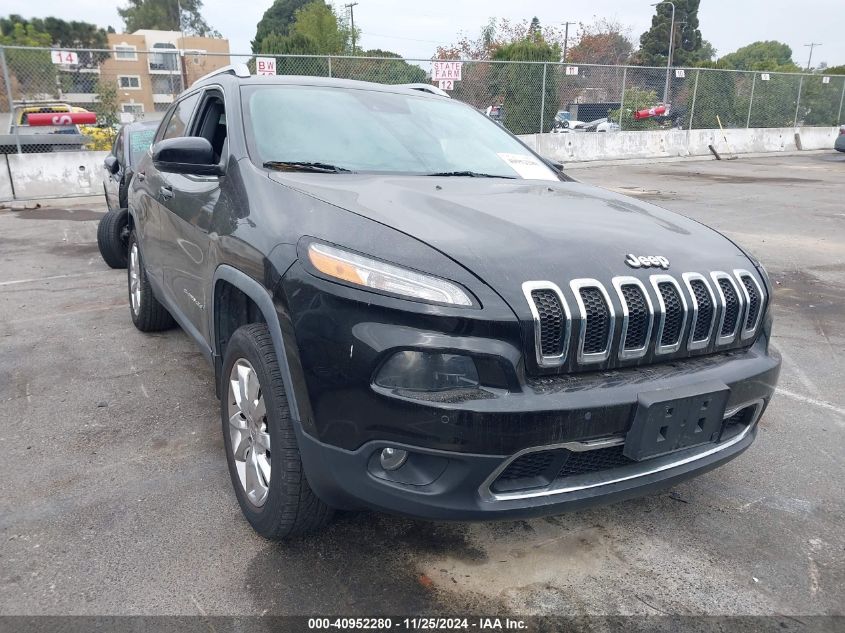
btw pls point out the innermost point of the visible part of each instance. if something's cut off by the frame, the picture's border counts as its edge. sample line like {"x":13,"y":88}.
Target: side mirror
{"x":186,"y":155}
{"x":111,"y":164}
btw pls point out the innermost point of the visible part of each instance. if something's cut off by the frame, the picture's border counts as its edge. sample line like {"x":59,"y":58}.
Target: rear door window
{"x":178,"y":123}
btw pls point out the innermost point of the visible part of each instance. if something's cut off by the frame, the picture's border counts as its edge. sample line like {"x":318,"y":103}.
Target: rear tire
{"x":113,"y":237}
{"x":147,"y":313}
{"x":261,"y":448}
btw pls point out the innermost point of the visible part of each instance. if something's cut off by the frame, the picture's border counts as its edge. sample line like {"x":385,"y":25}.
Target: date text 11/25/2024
{"x":418,"y":624}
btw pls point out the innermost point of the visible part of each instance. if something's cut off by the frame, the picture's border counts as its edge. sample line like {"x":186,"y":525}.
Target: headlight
{"x":425,"y":371}
{"x":371,"y":273}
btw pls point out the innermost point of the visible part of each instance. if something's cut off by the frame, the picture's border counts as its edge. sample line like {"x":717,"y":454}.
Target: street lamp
{"x":671,"y":46}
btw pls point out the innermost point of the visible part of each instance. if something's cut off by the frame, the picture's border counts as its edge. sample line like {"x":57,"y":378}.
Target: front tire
{"x":261,"y":448}
{"x":113,"y":238}
{"x":147,"y":313}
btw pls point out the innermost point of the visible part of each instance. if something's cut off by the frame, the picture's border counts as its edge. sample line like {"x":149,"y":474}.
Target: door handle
{"x":141,"y":176}
{"x":165,"y":192}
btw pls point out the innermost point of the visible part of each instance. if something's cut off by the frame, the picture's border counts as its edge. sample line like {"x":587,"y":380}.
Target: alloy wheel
{"x":135,"y":279}
{"x":248,"y":431}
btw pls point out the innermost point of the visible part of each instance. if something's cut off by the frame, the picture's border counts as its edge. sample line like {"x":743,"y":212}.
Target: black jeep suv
{"x":408,"y":310}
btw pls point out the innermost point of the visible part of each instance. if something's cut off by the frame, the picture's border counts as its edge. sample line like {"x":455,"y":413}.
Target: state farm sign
{"x":441,"y":71}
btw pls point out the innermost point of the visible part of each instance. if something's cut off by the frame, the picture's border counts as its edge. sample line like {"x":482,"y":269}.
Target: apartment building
{"x":149,"y":68}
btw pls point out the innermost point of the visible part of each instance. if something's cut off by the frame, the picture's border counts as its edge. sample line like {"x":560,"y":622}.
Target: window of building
{"x":125,"y":52}
{"x":164,"y":60}
{"x":166,"y":84}
{"x":129,"y":82}
{"x":132,"y":108}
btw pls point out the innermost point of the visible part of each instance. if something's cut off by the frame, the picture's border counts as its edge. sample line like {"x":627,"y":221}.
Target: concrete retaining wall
{"x":5,"y":180}
{"x":589,"y":146}
{"x":59,"y":174}
{"x":54,"y":174}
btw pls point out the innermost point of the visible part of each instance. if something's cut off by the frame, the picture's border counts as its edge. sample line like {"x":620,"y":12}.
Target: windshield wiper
{"x":471,"y":174}
{"x":323,"y":168}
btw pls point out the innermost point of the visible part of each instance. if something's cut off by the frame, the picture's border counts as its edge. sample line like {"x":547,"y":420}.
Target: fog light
{"x":393,"y":458}
{"x":426,"y":371}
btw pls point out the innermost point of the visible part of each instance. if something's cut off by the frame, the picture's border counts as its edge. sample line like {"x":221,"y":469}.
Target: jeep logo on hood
{"x":647,"y":261}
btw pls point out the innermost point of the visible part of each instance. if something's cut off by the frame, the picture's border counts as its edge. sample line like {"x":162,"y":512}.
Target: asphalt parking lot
{"x":115,"y":498}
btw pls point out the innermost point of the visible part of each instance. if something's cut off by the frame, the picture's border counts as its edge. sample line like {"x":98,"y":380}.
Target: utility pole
{"x":812,"y":45}
{"x":351,"y":6}
{"x":566,"y":38}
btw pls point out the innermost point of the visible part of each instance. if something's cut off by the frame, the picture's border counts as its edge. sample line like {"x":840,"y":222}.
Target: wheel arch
{"x":263,"y":302}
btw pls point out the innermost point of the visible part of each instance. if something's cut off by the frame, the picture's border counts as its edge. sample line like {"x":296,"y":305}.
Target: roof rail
{"x":427,"y":88}
{"x":238,"y":70}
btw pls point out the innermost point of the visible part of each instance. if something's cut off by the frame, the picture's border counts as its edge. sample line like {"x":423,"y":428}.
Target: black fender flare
{"x":264,"y":301}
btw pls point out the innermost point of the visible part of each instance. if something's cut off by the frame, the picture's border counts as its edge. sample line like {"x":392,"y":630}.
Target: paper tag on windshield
{"x":527,"y":166}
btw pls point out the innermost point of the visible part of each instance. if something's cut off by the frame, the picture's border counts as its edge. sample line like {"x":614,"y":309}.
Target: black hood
{"x":510,"y":231}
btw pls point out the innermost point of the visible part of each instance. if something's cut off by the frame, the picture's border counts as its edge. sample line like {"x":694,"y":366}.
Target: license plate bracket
{"x":672,"y":419}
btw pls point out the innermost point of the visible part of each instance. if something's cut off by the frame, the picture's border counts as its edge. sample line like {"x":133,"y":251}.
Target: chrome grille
{"x":552,"y":321}
{"x":674,"y":314}
{"x":731,"y":309}
{"x":753,"y":301}
{"x":672,"y":309}
{"x":638,"y":317}
{"x":703,"y":309}
{"x":660,"y":318}
{"x":701,"y":331}
{"x":598,"y":321}
{"x":753,"y":295}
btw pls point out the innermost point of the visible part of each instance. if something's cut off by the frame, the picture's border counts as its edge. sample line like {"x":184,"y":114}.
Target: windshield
{"x":139,"y":142}
{"x":372,"y":131}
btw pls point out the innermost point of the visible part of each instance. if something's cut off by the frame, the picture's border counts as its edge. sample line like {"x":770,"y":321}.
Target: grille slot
{"x":754,"y":302}
{"x":732,"y":308}
{"x":639,"y":316}
{"x":583,"y":462}
{"x":528,"y":466}
{"x":552,"y":321}
{"x":597,"y":316}
{"x":673,"y":314}
{"x":706,"y":309}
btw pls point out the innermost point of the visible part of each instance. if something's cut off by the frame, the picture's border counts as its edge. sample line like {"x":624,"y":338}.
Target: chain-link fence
{"x":88,"y":93}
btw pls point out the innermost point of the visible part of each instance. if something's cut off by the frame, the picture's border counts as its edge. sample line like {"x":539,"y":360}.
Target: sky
{"x":414,"y":29}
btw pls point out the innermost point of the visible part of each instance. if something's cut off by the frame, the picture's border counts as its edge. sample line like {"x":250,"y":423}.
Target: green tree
{"x":107,"y":105}
{"x":654,"y":43}
{"x":317,"y":21}
{"x":165,"y":15}
{"x":296,"y":44}
{"x":721,"y":94}
{"x":819,"y":100}
{"x":636,"y":99}
{"x":602,"y":42}
{"x":393,"y":70}
{"x":768,"y":55}
{"x":65,"y":35}
{"x":518,"y":85}
{"x":33,"y":74}
{"x":277,"y":19}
